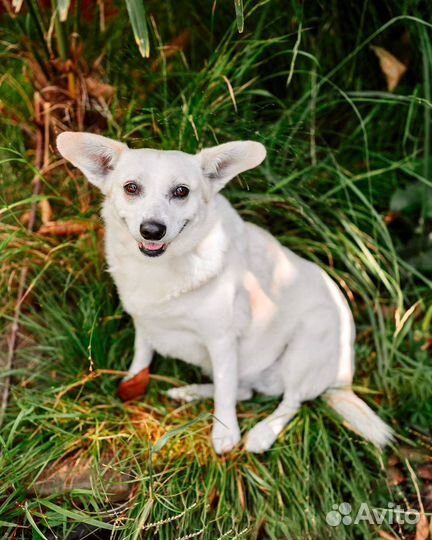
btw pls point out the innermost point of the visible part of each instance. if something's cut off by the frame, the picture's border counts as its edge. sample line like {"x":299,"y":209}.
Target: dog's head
{"x":158,"y":194}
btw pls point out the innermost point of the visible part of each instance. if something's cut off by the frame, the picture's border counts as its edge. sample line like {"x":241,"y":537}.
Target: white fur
{"x":225,"y":295}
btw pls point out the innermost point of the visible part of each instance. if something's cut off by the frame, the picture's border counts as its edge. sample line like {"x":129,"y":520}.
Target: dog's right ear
{"x":94,"y":155}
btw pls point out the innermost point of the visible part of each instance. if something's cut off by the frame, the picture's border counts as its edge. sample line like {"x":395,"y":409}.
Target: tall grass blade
{"x":63,"y":8}
{"x":160,"y":443}
{"x":78,"y":516}
{"x":33,"y":524}
{"x":35,"y":15}
{"x":238,"y":4}
{"x":138,"y":21}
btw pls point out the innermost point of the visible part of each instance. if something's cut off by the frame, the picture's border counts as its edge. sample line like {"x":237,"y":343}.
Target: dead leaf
{"x":46,"y":211}
{"x":425,"y":472}
{"x":241,"y":492}
{"x":68,"y":228}
{"x":422,"y":529}
{"x":395,"y":476}
{"x":213,"y":498}
{"x":427,"y":346}
{"x":80,"y":472}
{"x":25,"y":218}
{"x":391,"y":67}
{"x":178,"y":44}
{"x":98,"y":89}
{"x":390,"y":217}
{"x":393,"y":460}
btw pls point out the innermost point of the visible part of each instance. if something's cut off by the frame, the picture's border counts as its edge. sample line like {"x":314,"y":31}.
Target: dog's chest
{"x":167,"y":316}
{"x":172,"y":329}
{"x":176,"y":337}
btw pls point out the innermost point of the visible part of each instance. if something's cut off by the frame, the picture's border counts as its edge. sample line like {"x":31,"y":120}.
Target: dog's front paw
{"x":225,"y":437}
{"x":260,"y":438}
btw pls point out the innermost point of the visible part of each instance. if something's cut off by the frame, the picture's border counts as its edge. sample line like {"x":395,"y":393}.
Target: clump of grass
{"x":339,"y":146}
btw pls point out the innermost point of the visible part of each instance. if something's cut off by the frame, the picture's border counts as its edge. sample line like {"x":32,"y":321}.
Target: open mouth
{"x":152,"y":249}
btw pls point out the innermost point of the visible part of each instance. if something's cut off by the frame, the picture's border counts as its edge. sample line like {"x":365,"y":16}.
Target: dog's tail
{"x":360,"y":417}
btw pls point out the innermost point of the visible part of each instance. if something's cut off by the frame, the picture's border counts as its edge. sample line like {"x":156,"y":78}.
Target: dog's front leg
{"x":226,"y":432}
{"x":143,"y":353}
{"x":135,"y":383}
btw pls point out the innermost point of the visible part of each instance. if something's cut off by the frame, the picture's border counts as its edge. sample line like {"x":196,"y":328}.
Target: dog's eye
{"x":180,"y":192}
{"x":131,"y":188}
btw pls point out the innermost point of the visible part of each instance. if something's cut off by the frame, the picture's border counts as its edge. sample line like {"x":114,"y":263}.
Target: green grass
{"x":342,"y":154}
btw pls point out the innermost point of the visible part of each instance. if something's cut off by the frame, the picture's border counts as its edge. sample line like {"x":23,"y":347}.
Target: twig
{"x":42,"y":142}
{"x":84,"y":380}
{"x":92,"y":375}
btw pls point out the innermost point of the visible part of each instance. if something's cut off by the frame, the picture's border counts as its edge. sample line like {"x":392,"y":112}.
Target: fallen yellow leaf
{"x":392,"y":68}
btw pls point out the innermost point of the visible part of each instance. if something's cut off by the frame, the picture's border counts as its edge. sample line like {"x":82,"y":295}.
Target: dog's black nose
{"x":152,"y":230}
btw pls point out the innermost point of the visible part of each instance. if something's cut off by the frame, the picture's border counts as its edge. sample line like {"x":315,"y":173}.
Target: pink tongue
{"x":153,"y":246}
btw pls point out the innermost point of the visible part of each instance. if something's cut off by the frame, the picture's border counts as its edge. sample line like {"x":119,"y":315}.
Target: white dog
{"x":204,"y":286}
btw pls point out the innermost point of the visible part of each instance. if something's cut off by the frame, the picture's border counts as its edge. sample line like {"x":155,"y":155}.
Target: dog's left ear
{"x":95,"y":155}
{"x":221,"y":163}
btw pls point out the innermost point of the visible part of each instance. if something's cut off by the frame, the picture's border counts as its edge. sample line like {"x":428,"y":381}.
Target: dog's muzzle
{"x":152,"y":249}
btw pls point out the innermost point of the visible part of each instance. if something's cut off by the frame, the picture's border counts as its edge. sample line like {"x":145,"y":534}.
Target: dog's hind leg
{"x":192,"y":392}
{"x":261,"y":437}
{"x":308,"y":367}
